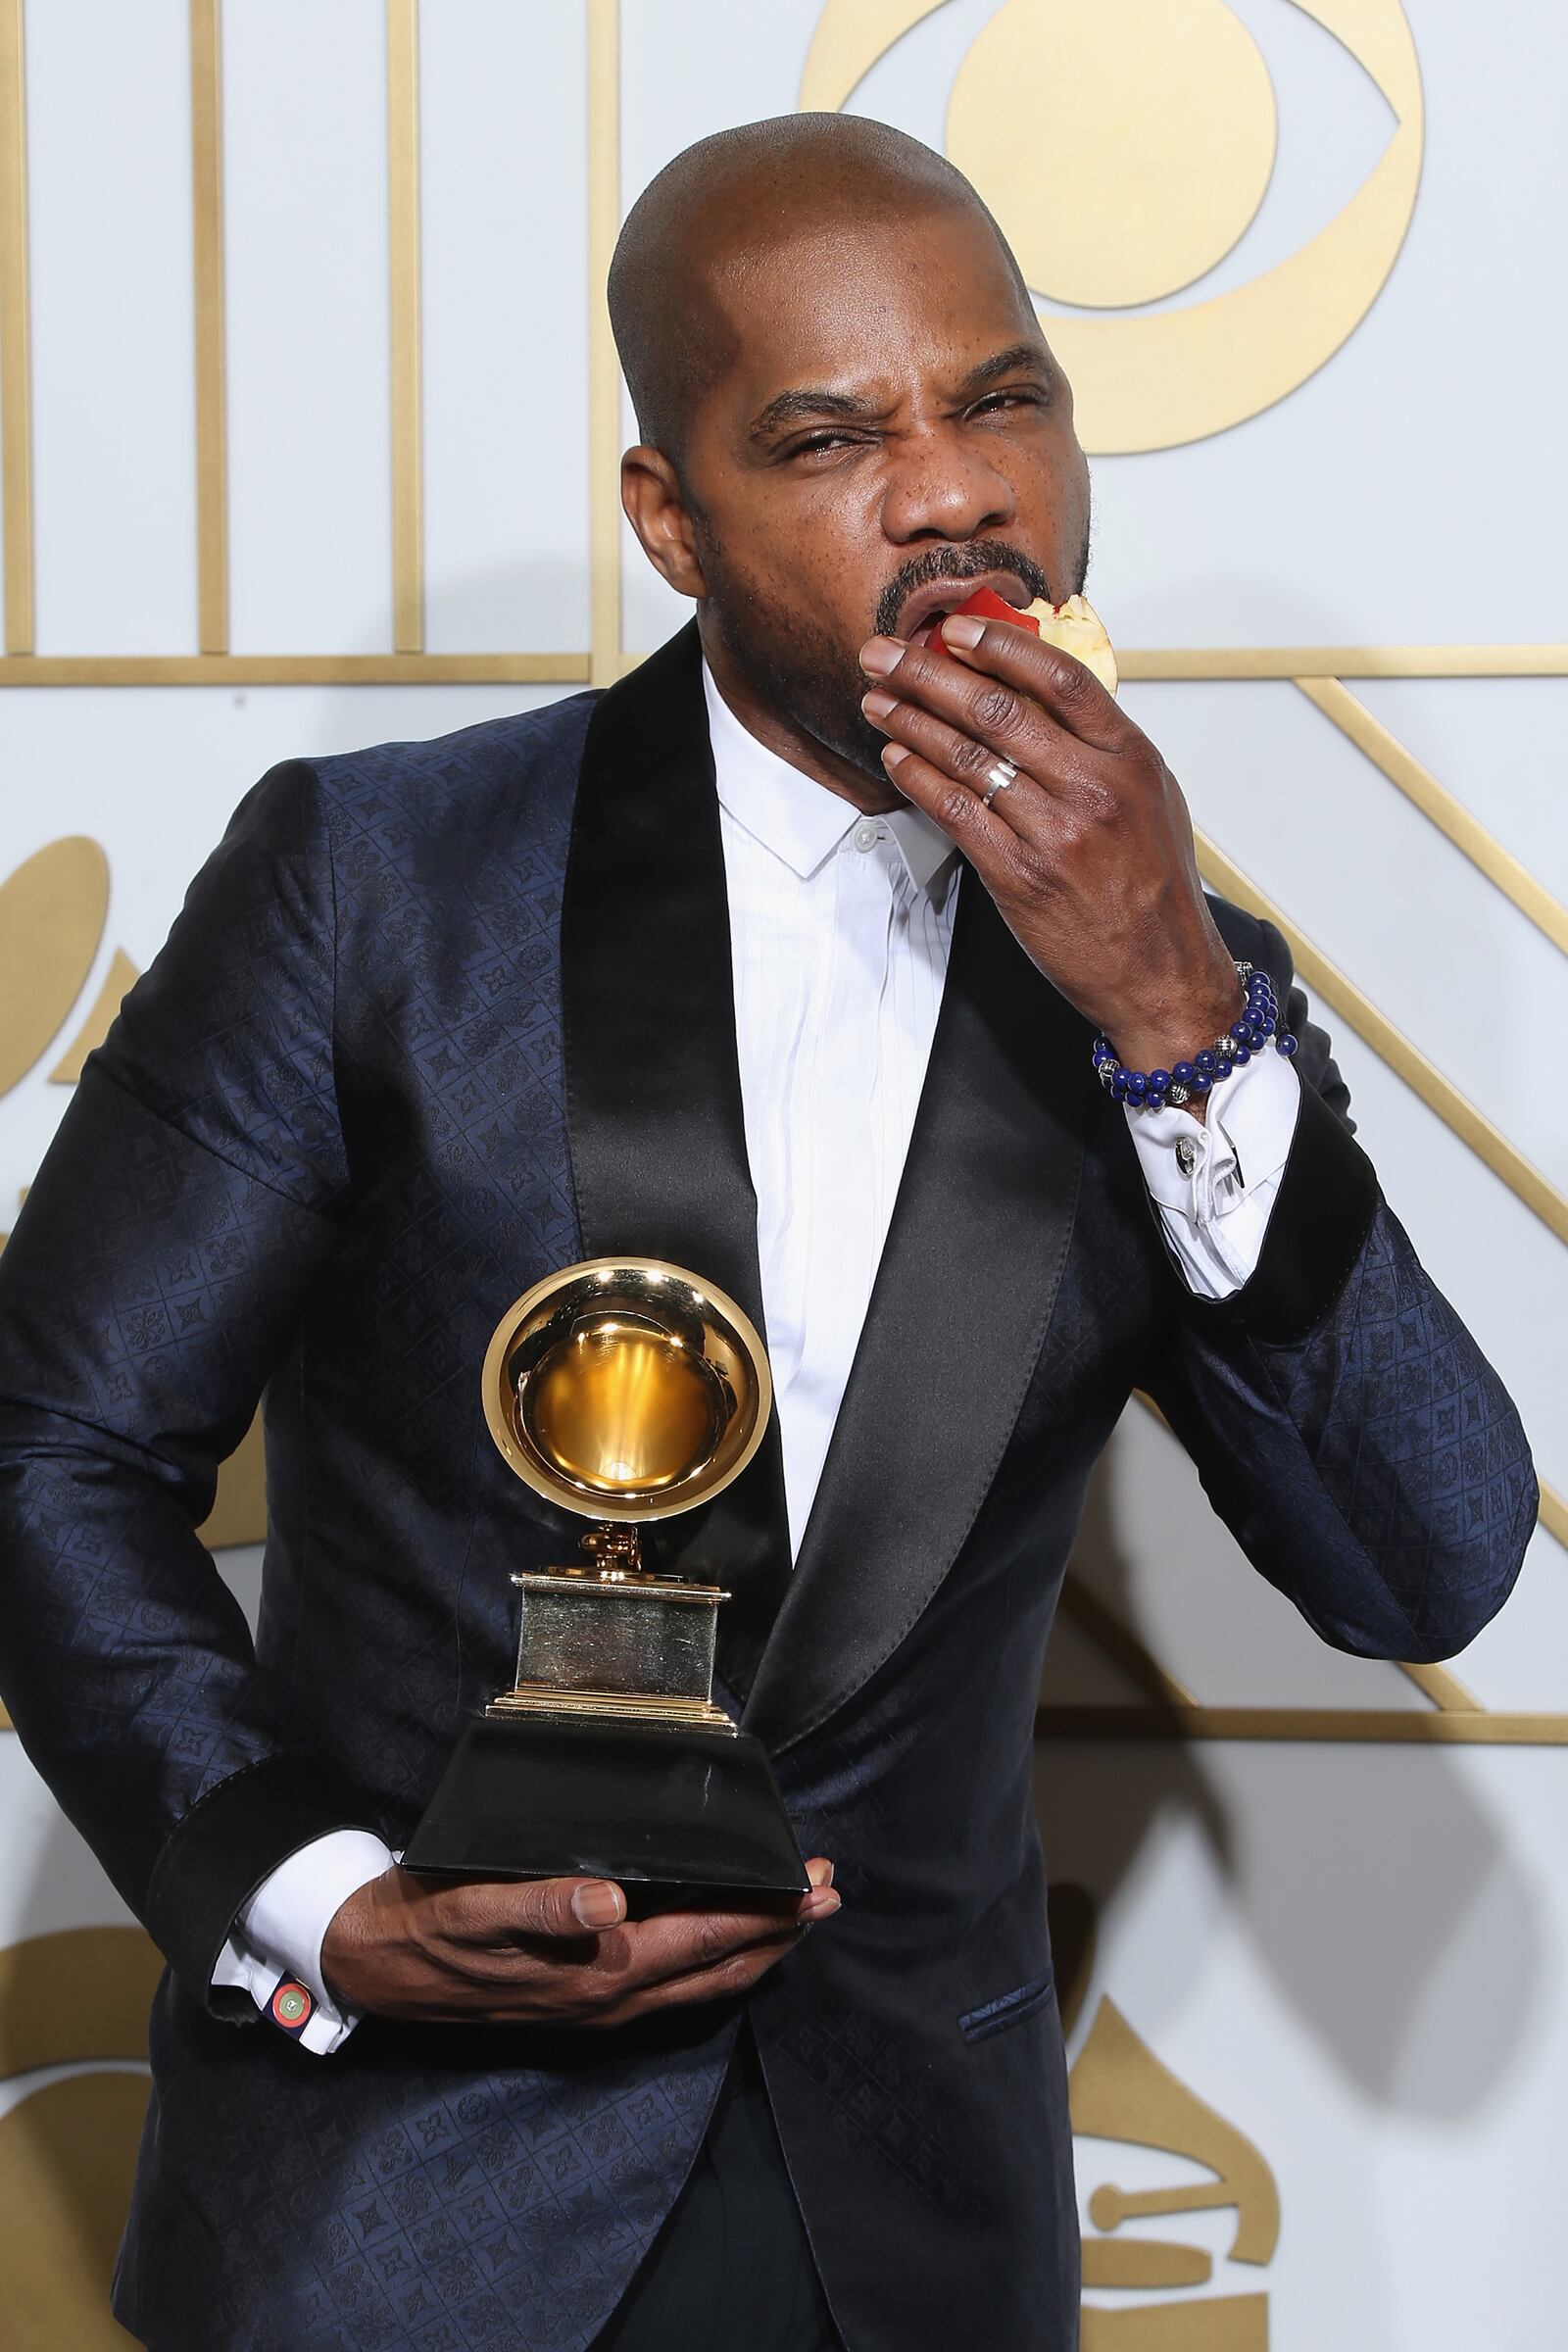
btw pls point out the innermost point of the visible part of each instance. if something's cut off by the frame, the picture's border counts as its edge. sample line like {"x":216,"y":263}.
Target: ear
{"x":657,"y":510}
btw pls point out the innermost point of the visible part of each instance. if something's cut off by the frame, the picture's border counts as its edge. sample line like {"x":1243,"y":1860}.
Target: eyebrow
{"x":1019,"y":358}
{"x":792,"y":408}
{"x":805,"y":402}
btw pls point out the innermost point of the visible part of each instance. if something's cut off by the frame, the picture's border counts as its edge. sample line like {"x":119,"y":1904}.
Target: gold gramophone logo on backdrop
{"x":1121,"y":2091}
{"x":1126,"y":148}
{"x":1121,"y":2096}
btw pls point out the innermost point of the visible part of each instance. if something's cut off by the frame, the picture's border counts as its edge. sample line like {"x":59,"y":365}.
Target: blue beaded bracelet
{"x":1249,"y":1034}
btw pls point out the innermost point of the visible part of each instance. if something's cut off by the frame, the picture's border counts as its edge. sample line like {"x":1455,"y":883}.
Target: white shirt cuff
{"x":279,"y":1931}
{"x":1214,"y":1182}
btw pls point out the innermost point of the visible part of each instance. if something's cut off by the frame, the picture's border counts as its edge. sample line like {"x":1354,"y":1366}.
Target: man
{"x":783,"y":960}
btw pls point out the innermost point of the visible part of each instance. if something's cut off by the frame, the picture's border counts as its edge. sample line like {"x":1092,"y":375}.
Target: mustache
{"x":966,"y":562}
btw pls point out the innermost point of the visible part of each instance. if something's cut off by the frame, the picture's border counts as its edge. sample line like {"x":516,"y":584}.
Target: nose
{"x":944,"y":487}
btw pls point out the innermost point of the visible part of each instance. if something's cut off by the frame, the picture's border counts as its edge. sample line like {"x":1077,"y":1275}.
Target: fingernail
{"x":821,"y":1903}
{"x":819,"y":1871}
{"x":600,"y":1905}
{"x":894,"y":754}
{"x":877,"y":706}
{"x":882,"y":655}
{"x":961,"y":628}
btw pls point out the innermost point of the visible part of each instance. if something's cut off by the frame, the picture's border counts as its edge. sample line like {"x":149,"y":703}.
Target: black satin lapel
{"x":655,"y":1122}
{"x":963,"y":1296}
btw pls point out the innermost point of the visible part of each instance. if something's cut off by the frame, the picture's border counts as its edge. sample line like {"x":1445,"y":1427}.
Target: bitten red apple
{"x":1075,"y":626}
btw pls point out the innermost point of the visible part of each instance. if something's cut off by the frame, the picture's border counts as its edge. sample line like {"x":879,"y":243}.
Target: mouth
{"x":928,"y":607}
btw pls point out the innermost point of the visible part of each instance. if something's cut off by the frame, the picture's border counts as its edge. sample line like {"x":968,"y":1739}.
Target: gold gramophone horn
{"x":627,"y":1388}
{"x":623,"y":1390}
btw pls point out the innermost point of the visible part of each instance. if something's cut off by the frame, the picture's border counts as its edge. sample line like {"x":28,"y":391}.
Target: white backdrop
{"x":1351,"y":1948}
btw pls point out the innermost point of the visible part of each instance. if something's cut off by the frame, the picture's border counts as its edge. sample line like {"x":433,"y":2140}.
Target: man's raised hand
{"x":547,"y":1952}
{"x":1088,"y":852}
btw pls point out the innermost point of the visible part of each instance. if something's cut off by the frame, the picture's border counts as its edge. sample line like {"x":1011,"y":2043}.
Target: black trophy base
{"x":675,"y":1816}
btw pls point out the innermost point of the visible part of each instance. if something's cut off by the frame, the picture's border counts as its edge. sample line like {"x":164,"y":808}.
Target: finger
{"x":502,"y":1912}
{"x":1022,"y":806}
{"x":680,"y":1944}
{"x":728,"y":1978}
{"x":819,"y":1870}
{"x":985,"y":713}
{"x":605,"y":1979}
{"x":1067,"y":688}
{"x":756,"y":1958}
{"x":735,"y":1976}
{"x":978,"y":831}
{"x":632,"y":1965}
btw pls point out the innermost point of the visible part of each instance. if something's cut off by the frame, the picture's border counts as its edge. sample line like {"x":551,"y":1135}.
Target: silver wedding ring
{"x":998,"y":775}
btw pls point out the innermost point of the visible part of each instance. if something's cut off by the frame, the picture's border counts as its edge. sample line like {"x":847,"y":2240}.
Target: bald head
{"x":718,"y":208}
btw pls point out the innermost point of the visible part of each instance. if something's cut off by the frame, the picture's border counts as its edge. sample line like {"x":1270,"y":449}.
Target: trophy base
{"x":612,"y":1706}
{"x":675,"y":1818}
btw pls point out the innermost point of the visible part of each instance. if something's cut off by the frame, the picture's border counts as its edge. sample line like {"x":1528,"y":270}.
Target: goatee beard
{"x":796,"y":669}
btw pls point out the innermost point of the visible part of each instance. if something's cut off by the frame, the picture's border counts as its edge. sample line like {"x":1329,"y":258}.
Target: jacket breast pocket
{"x":1007,"y":2009}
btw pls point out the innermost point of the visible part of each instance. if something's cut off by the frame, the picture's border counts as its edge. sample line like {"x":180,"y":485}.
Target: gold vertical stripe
{"x":604,"y":371}
{"x":16,"y":362}
{"x":1456,"y":1111}
{"x":1554,"y":1513}
{"x":402,"y":222}
{"x":212,"y":407}
{"x":1450,"y":816}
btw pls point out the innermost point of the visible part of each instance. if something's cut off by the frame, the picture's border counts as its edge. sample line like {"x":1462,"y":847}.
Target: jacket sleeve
{"x":1344,"y":1424}
{"x":154,"y":1279}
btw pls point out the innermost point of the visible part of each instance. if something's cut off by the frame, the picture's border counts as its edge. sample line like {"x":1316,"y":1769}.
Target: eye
{"x":818,"y":445}
{"x":1021,"y":396}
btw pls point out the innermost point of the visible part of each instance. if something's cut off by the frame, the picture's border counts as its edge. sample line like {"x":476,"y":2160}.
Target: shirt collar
{"x":794,"y":816}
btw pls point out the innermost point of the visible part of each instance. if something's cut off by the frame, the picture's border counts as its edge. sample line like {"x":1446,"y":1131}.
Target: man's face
{"x":891,"y":432}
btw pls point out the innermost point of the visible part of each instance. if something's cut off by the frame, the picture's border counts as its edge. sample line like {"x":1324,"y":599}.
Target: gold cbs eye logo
{"x":1125,"y":146}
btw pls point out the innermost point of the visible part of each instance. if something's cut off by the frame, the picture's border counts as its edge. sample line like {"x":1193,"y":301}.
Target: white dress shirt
{"x":841,"y":927}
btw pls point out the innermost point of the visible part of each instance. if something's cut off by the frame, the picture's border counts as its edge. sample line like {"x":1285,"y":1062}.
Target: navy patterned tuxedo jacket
{"x":436,"y":1019}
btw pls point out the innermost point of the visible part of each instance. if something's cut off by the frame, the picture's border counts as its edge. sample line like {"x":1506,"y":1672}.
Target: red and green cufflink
{"x":292,"y":2007}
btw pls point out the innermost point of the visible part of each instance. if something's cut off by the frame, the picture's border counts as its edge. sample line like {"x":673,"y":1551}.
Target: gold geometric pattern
{"x":1453,"y":820}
